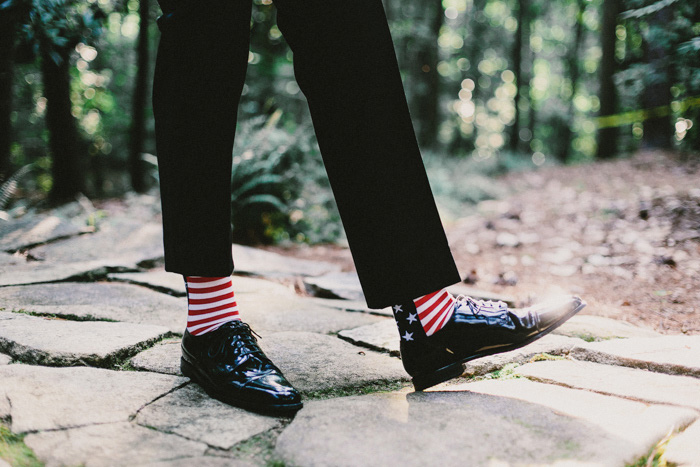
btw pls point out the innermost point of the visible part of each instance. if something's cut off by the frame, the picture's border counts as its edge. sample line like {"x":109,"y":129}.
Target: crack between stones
{"x":605,"y":393}
{"x":26,"y":248}
{"x":133,"y":417}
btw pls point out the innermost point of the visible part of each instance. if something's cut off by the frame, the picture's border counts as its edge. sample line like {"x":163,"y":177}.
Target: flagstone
{"x":120,"y":242}
{"x":596,"y":328}
{"x":31,"y":230}
{"x":47,"y":398}
{"x":268,"y":313}
{"x":549,"y":344}
{"x":684,"y":449}
{"x":311,"y":362}
{"x":192,"y":414}
{"x":57,"y":342}
{"x":619,"y":381}
{"x":316,"y":362}
{"x":174,"y":284}
{"x":5,"y":359}
{"x":163,"y":357}
{"x":102,"y":301}
{"x":637,"y":426}
{"x":110,"y":444}
{"x":679,"y":355}
{"x":382,"y":336}
{"x":344,"y":285}
{"x":257,"y":262}
{"x":22,"y":272}
{"x":403,"y":428}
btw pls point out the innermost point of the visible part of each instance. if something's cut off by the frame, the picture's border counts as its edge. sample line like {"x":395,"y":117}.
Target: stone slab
{"x":46,"y":398}
{"x":636,"y":426}
{"x":109,"y":445}
{"x":57,"y":342}
{"x":311,"y":362}
{"x":192,"y":414}
{"x":457,"y":428}
{"x":684,"y":449}
{"x":382,"y":336}
{"x":351,"y":305}
{"x":163,"y":358}
{"x":113,"y":301}
{"x":677,"y":355}
{"x":205,"y":461}
{"x":21,"y":272}
{"x":619,"y":381}
{"x":173,"y":284}
{"x":119,"y":243}
{"x":597,"y":328}
{"x":5,"y":359}
{"x":343,"y":285}
{"x":277,"y":313}
{"x":549,"y":344}
{"x":316,"y":362}
{"x":27,"y":231}
{"x":253,"y":261}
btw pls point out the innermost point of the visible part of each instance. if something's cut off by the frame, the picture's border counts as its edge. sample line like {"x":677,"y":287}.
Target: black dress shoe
{"x":231,"y":367}
{"x":475,"y":329}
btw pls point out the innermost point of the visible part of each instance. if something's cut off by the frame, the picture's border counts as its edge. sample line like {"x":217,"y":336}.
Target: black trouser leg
{"x":200,"y":70}
{"x":345,"y":64}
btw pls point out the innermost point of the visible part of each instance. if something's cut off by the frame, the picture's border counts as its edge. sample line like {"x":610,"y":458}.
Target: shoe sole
{"x":189,"y":370}
{"x":454,"y":370}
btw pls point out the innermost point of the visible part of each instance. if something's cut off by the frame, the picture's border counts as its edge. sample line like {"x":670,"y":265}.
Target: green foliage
{"x":14,"y":451}
{"x":279,"y":191}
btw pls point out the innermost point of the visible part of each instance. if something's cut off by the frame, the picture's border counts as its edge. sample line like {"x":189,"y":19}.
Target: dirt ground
{"x":624,"y":235}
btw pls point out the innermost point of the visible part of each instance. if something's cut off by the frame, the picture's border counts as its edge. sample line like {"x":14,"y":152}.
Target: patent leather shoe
{"x":476,"y":329}
{"x":231,"y":367}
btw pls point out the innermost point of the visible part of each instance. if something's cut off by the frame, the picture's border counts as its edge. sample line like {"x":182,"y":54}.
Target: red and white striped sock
{"x":434,"y":310}
{"x":210,"y":303}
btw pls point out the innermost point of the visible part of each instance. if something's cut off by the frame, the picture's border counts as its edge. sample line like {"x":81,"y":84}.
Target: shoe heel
{"x":428,"y":380}
{"x":187,"y":369}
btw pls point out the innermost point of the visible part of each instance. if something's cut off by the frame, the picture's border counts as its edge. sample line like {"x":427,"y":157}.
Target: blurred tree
{"x":12,"y":13}
{"x":607,"y":136}
{"x":55,"y":28}
{"x":657,"y":86}
{"x":521,"y":7}
{"x":573,"y":69}
{"x":137,"y":169}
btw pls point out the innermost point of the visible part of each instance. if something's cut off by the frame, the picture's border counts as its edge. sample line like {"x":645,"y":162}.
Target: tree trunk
{"x":573,"y":69}
{"x":66,"y":168}
{"x":607,"y":137}
{"x":657,"y":91}
{"x":428,"y":101}
{"x":136,"y":166}
{"x":8,"y":29}
{"x":514,"y":130}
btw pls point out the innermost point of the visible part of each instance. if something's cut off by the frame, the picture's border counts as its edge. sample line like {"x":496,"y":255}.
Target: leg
{"x":200,"y":70}
{"x":345,"y":64}
{"x":201,"y":65}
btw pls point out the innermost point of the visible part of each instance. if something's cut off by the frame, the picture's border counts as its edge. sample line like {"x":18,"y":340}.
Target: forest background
{"x":492,"y":86}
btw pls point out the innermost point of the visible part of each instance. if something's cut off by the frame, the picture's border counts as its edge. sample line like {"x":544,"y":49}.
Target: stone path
{"x":89,"y":370}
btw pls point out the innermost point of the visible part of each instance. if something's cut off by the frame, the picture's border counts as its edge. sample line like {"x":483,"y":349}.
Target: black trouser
{"x":345,"y":64}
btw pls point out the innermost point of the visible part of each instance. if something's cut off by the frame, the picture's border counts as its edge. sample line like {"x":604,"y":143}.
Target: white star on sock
{"x":397,"y":308}
{"x":411,"y":317}
{"x":408,"y":336}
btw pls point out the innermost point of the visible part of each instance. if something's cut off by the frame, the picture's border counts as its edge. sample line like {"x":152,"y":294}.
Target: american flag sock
{"x":210,"y":303}
{"x":432,"y":311}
